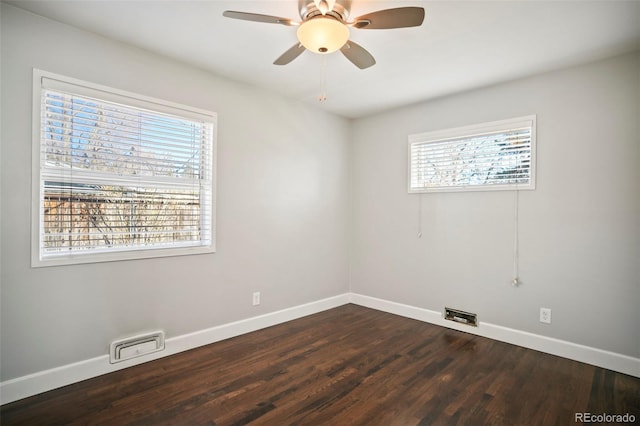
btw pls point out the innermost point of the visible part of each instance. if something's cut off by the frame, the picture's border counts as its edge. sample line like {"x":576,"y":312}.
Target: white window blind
{"x":120,"y":176}
{"x":497,"y":155}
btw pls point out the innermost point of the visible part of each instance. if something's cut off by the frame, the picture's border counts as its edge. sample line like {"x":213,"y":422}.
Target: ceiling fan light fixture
{"x":323,"y":34}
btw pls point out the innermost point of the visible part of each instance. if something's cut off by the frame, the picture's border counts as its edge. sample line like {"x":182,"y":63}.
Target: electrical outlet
{"x":545,"y":315}
{"x":256,"y":298}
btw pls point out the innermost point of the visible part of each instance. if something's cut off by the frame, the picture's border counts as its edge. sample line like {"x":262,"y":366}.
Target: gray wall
{"x":579,"y":230}
{"x":307,"y":215}
{"x":282,"y":213}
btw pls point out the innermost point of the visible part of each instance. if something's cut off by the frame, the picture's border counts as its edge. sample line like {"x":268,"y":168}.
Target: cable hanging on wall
{"x":516,"y":240}
{"x":419,"y":235}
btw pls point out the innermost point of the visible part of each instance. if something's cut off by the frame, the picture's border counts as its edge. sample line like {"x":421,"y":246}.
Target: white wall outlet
{"x":256,"y":298}
{"x":545,"y":315}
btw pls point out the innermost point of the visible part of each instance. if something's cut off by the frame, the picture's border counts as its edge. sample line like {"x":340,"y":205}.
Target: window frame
{"x":109,"y":94}
{"x":469,"y":132}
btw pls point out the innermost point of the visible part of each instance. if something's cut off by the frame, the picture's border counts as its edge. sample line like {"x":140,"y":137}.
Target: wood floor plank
{"x":346,"y":366}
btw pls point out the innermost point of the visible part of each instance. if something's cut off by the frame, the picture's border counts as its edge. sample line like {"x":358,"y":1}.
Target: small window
{"x":490,"y":156}
{"x":118,"y":175}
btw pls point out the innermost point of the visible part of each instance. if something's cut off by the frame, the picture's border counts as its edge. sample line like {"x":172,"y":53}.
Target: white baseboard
{"x":598,"y":357}
{"x":33,"y":384}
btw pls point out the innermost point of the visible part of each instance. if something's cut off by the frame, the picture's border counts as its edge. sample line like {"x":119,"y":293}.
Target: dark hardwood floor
{"x":349,"y":365}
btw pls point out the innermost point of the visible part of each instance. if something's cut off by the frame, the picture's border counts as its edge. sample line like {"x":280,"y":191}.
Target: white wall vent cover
{"x":131,"y":347}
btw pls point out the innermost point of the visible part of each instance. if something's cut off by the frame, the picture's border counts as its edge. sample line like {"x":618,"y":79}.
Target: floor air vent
{"x":461,"y":316}
{"x":124,"y":349}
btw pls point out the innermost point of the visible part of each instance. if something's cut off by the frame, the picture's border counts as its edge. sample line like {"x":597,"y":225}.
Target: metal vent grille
{"x":131,"y":347}
{"x":461,"y":316}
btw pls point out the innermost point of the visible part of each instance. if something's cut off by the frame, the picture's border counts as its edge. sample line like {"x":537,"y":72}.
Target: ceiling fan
{"x":325,"y":28}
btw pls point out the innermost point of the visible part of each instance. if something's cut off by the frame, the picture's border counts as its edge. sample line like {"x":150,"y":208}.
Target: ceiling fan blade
{"x":358,"y":55}
{"x":400,"y":17}
{"x":290,"y":54}
{"x":256,"y":17}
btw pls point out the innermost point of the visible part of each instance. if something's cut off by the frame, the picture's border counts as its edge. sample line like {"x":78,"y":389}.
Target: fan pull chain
{"x":323,"y":79}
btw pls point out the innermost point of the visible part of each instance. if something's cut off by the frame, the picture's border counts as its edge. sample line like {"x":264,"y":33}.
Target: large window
{"x":497,"y":155}
{"x":118,"y":175}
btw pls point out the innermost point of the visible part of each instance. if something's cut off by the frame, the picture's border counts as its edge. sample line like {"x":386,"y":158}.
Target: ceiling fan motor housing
{"x":309,"y":10}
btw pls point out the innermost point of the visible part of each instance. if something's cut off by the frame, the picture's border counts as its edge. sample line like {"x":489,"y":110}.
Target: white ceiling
{"x":461,"y":45}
